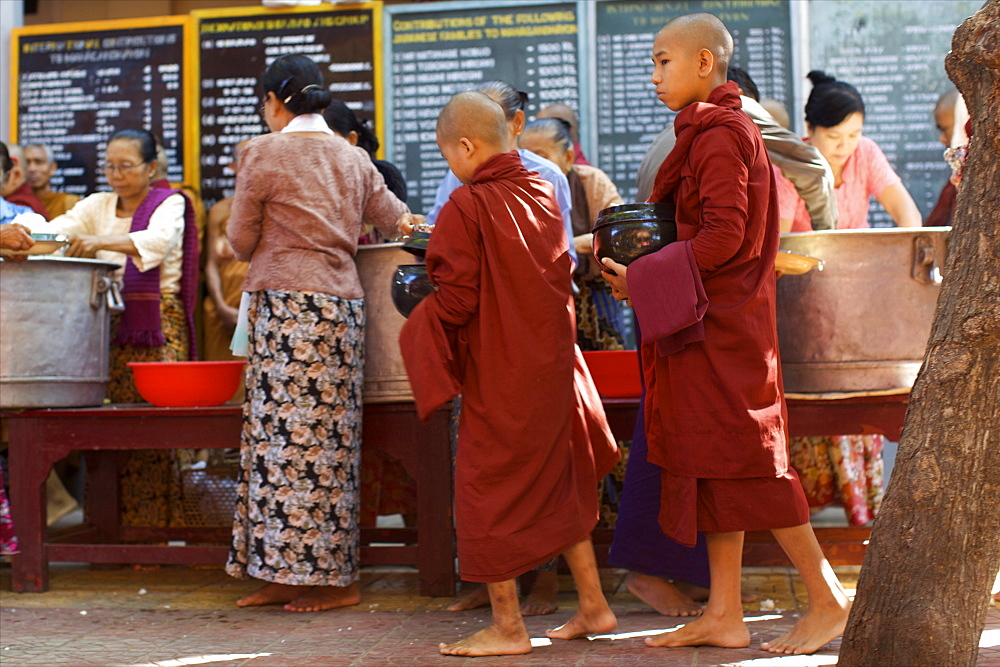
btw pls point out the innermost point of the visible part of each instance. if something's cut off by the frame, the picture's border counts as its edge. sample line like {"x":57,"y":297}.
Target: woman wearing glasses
{"x":150,"y":233}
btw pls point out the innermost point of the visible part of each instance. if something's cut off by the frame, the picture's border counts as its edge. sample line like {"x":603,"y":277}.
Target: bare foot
{"x":663,"y":596}
{"x":544,"y":596}
{"x":582,"y":624}
{"x":321,"y":598}
{"x":815,"y":629}
{"x":271,"y":594}
{"x":474,"y":599}
{"x":729,"y":632}
{"x":490,"y":641}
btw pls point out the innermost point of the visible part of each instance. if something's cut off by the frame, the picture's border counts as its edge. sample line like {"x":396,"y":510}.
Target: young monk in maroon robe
{"x":715,"y":411}
{"x":533,"y":439}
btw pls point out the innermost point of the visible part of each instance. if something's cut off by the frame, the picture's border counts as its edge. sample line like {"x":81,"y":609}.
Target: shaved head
{"x":695,"y":32}
{"x":947,"y":101}
{"x":475,"y":116}
{"x":563,"y":111}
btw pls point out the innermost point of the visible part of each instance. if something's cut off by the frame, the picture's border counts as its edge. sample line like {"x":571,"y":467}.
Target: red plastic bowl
{"x":615,"y":372}
{"x":183,"y":384}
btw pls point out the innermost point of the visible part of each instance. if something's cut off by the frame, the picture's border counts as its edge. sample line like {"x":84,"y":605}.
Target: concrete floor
{"x":173,"y":616}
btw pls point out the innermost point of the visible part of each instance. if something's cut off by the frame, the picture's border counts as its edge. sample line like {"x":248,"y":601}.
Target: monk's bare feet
{"x":594,"y":622}
{"x":708,"y":630}
{"x":271,"y":594}
{"x":544,"y":596}
{"x":490,"y":641}
{"x":321,"y":598}
{"x":474,"y":599}
{"x":818,"y":627}
{"x":661,"y":595}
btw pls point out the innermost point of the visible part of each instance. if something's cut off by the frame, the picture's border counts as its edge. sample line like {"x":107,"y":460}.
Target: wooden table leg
{"x":28,"y":472}
{"x":103,"y":495}
{"x":435,"y":534}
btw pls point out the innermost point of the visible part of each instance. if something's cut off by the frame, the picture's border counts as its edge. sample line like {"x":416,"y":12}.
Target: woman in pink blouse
{"x":846,"y":469}
{"x":301,"y":199}
{"x":835,"y":114}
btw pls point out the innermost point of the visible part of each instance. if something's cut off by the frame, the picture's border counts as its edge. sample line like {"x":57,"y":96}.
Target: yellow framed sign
{"x":76,"y":84}
{"x":236,"y":45}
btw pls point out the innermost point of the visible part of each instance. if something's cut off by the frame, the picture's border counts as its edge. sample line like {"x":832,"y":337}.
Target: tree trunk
{"x":935,"y":548}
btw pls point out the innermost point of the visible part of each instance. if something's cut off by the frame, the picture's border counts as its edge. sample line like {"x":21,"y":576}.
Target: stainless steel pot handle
{"x":105,"y":290}
{"x":114,"y":296}
{"x":924,"y":267}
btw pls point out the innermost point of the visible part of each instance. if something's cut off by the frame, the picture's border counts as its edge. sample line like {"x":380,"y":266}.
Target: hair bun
{"x":819,"y":77}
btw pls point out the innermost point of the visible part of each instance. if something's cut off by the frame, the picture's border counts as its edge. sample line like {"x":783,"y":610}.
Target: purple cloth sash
{"x":140,"y":322}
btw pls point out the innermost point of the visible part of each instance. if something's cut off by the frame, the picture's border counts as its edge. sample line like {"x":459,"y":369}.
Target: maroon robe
{"x":533,"y":440}
{"x":715,"y":410}
{"x":944,"y":209}
{"x":24,"y":196}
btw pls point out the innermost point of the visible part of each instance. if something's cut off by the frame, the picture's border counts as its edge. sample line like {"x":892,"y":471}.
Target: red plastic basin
{"x":615,"y":372}
{"x":183,"y":384}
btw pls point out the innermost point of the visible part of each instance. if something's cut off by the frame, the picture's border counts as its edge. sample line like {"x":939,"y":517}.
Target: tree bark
{"x":935,"y":548}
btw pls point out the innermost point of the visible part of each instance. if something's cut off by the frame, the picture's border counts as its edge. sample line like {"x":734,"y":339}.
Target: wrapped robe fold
{"x":533,"y":440}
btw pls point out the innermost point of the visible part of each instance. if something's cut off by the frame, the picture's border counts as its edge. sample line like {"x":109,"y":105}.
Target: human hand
{"x":83,"y":245}
{"x":614,"y":273}
{"x":408,"y":222}
{"x":15,"y":237}
{"x":228,"y":315}
{"x":584,"y":244}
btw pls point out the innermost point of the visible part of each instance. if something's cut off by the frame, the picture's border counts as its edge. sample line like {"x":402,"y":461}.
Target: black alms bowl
{"x":627,"y":232}
{"x":410,"y":285}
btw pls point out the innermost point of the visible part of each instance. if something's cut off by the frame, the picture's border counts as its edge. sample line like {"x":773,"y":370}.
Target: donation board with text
{"x":628,"y":113}
{"x":431,"y":55}
{"x":236,"y":46}
{"x":79,"y":83}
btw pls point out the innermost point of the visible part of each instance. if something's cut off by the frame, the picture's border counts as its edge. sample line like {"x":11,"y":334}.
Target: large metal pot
{"x":862,"y":323}
{"x":385,"y":374}
{"x":54,"y":331}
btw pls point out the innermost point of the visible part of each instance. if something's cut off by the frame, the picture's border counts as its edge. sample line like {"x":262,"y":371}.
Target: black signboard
{"x":237,"y":45}
{"x":437,"y":54}
{"x":629,"y":115}
{"x":893,"y":52}
{"x":79,"y":83}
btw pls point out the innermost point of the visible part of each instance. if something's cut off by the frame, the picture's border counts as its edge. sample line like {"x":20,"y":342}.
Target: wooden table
{"x":860,"y":415}
{"x":39,"y":438}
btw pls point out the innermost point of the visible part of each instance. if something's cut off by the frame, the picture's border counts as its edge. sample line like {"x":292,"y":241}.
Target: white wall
{"x":11,"y":16}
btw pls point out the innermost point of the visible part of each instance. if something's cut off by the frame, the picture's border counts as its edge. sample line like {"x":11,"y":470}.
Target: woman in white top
{"x":150,"y":234}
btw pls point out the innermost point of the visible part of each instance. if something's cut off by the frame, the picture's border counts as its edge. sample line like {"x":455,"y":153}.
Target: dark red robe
{"x":716,"y":416}
{"x":24,"y":196}
{"x":533,"y":440}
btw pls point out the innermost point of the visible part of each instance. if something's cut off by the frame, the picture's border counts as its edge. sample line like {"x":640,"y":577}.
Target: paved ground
{"x":177,"y":616}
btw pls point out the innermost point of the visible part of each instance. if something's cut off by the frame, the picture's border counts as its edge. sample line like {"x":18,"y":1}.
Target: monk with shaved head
{"x":533,"y":440}
{"x":715,"y":410}
{"x":565,"y":112}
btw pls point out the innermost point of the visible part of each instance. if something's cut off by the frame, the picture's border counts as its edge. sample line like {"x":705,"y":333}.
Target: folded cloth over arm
{"x":429,"y":361}
{"x":669,"y":298}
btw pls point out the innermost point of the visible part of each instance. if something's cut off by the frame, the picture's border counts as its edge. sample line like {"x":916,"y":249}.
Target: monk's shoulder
{"x":727,"y":141}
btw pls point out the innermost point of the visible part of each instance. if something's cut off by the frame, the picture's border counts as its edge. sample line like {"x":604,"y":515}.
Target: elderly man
{"x":39,"y":168}
{"x":15,"y":187}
